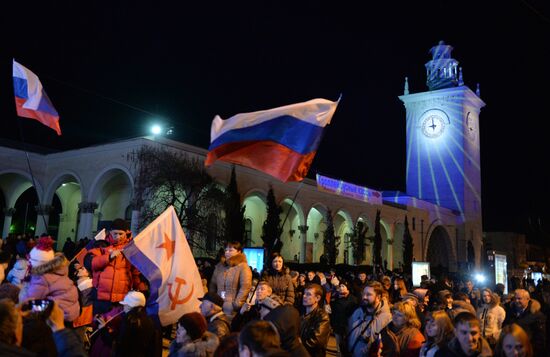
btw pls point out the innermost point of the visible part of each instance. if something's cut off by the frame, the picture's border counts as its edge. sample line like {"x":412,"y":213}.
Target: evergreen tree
{"x":330,"y":241}
{"x":359,"y":241}
{"x":271,"y":229}
{"x":234,"y":213}
{"x":408,"y":246}
{"x":377,"y":245}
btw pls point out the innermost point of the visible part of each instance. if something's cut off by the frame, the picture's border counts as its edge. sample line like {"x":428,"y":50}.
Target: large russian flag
{"x":281,"y":142}
{"x":31,"y":101}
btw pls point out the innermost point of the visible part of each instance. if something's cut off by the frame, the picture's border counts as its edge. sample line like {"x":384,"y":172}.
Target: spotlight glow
{"x":480,"y":278}
{"x":156,"y":129}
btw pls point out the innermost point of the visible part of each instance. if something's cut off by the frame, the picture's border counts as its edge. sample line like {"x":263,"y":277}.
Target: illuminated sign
{"x":255,"y":257}
{"x":501,"y":271}
{"x":346,"y":189}
{"x":419,"y":269}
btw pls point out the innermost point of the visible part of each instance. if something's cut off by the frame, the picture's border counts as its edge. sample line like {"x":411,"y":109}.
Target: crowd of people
{"x":99,"y":304}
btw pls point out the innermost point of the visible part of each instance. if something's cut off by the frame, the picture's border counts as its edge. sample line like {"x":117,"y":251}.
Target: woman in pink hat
{"x":49,"y":279}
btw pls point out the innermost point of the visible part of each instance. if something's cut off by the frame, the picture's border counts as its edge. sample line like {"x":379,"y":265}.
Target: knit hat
{"x":194,"y":324}
{"x":42,"y":251}
{"x":120,"y":225}
{"x":410,"y":296}
{"x":213,"y":298}
{"x":133,"y":299}
{"x":420,"y":293}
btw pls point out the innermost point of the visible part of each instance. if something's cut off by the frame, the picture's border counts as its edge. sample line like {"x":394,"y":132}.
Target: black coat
{"x":287,"y":320}
{"x":342,"y":309}
{"x":533,"y":321}
{"x":315,"y":331}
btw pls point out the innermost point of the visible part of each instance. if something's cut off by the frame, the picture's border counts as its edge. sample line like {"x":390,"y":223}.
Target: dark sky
{"x":109,"y":66}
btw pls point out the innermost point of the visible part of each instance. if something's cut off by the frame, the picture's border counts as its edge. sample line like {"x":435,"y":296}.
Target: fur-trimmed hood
{"x":534,"y":306}
{"x":59,"y":264}
{"x":202,"y":347}
{"x":236,"y":260}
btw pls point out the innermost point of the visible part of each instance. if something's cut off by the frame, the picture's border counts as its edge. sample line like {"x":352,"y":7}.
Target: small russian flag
{"x":31,"y":101}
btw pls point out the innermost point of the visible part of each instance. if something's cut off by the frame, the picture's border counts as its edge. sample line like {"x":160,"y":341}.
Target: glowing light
{"x":156,"y":129}
{"x":480,"y":278}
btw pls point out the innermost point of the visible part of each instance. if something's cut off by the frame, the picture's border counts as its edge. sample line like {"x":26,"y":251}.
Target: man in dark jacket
{"x":315,"y":327}
{"x":468,"y":341}
{"x":342,"y":306}
{"x":527,"y":313}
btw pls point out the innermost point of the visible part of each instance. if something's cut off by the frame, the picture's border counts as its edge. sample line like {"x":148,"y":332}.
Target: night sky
{"x":110,"y":69}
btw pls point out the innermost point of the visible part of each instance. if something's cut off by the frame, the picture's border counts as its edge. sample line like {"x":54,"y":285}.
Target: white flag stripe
{"x":163,"y":243}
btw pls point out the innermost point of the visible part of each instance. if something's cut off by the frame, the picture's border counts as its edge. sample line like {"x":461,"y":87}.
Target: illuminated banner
{"x":501,"y":273}
{"x":419,"y":269}
{"x":346,"y":189}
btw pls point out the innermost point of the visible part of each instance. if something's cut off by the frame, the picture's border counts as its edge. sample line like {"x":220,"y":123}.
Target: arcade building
{"x":91,"y":186}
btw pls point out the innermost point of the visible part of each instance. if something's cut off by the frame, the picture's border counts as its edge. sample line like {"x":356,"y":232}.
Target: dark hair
{"x":466,"y":318}
{"x":235,"y":244}
{"x":229,"y":346}
{"x":461,"y":296}
{"x":272,"y":258}
{"x":8,"y":322}
{"x":259,"y":336}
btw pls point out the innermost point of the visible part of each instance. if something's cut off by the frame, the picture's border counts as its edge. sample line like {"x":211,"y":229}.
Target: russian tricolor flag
{"x":31,"y":100}
{"x":281,"y":142}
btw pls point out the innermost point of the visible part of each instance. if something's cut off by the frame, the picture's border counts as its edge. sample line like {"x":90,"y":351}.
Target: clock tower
{"x":443,"y":157}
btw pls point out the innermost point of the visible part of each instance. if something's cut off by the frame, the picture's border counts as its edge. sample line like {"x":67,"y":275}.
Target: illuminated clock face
{"x":433,"y":125}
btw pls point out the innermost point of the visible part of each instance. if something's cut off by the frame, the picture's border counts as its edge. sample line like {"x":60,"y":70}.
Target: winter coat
{"x":18,"y":272}
{"x":219,"y":325}
{"x":315,"y":332}
{"x":113,"y":278}
{"x":410,"y":340}
{"x":51,"y":281}
{"x":286,"y":319}
{"x":453,"y":349}
{"x":428,"y":350}
{"x":363,"y":328}
{"x":533,"y":321}
{"x":342,"y":308}
{"x":202,"y":347}
{"x":282,"y":286}
{"x":491,"y":316}
{"x":234,"y":277}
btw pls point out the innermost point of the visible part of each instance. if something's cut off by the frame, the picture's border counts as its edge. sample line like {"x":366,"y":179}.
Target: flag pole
{"x":32,"y":178}
{"x":287,"y":214}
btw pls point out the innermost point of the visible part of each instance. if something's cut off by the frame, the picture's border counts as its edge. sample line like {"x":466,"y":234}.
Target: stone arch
{"x":255,"y":211}
{"x":112,"y":191}
{"x":343,"y":226}
{"x":385,"y":232}
{"x":14,"y":182}
{"x":317,"y":226}
{"x":67,"y":186}
{"x":290,"y":228}
{"x":440,"y":251}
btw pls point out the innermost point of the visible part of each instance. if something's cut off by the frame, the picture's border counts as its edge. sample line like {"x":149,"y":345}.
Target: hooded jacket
{"x":286,"y":319}
{"x":364,"y":327}
{"x":113,"y":278}
{"x":234,"y":277}
{"x":51,"y":281}
{"x":491,"y":316}
{"x":533,"y":321}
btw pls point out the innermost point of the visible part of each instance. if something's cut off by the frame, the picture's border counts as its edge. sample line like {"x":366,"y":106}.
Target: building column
{"x":303,"y":237}
{"x":134,"y":223}
{"x":42,"y":218}
{"x":8,"y":214}
{"x":87,"y":210}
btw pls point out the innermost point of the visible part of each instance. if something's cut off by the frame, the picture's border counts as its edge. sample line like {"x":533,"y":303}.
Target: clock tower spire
{"x":443,"y":153}
{"x":441,"y":70}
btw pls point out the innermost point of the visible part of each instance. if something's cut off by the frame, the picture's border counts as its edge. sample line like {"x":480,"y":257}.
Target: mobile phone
{"x":39,"y":308}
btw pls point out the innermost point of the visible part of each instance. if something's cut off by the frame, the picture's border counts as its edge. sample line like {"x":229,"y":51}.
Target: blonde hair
{"x":408,"y":310}
{"x":519,"y":334}
{"x":444,"y":326}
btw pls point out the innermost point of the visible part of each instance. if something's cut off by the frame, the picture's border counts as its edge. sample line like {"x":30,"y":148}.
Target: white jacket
{"x":491,"y":317}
